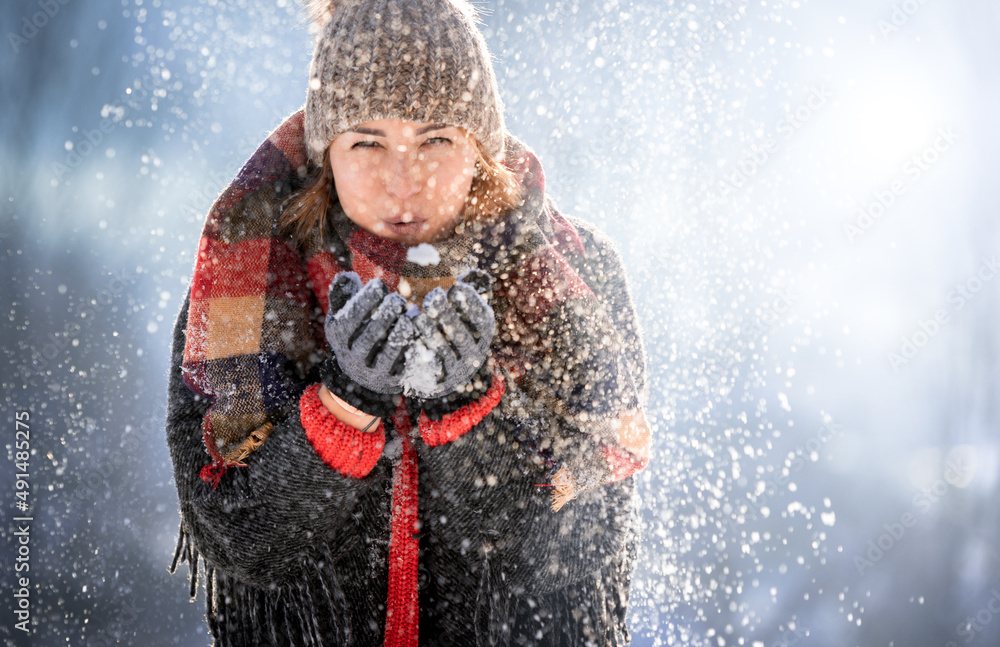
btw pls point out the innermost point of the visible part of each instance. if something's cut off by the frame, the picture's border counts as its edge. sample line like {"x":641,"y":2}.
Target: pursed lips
{"x":401,"y":219}
{"x":411,"y":227}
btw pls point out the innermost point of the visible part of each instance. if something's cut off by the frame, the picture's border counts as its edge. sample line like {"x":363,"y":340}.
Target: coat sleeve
{"x":602,"y":269}
{"x":265,"y":519}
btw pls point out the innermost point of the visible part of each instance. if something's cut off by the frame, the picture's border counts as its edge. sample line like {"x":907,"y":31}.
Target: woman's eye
{"x":365,"y":144}
{"x":437,"y":141}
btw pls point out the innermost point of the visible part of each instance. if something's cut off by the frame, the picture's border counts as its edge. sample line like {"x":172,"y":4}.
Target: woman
{"x":406,"y":394}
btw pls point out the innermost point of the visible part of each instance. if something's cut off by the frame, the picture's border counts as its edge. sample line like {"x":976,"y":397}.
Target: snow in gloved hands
{"x":454,"y":332}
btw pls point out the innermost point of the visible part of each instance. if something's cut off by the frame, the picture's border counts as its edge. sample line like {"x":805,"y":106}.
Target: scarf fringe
{"x":214,"y":471}
{"x":313,"y":611}
{"x":186,"y":552}
{"x":592,"y":613}
{"x":493,"y":607}
{"x":563,"y":488}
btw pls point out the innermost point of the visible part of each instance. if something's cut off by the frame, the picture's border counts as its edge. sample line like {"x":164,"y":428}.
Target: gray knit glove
{"x":454,"y":331}
{"x":368,"y":333}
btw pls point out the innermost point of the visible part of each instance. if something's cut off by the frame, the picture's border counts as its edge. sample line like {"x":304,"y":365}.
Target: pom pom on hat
{"x":320,"y":12}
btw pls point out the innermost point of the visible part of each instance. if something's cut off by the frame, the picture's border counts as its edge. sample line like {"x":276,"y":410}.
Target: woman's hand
{"x":368,"y":333}
{"x":347,"y":414}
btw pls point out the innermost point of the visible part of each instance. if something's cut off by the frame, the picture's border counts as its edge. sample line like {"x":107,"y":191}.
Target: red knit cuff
{"x":455,"y":424}
{"x":350,"y":451}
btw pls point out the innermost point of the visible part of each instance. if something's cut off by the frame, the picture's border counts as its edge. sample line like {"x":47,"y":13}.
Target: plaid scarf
{"x":259,"y":299}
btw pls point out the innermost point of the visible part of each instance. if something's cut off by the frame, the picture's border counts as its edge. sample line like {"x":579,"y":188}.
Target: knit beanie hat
{"x":416,"y":60}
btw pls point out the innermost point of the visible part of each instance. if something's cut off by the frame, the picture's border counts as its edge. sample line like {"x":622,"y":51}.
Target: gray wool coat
{"x":296,"y":554}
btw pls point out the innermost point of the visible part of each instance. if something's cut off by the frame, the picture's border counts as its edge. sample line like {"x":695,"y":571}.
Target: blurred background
{"x":805,"y":196}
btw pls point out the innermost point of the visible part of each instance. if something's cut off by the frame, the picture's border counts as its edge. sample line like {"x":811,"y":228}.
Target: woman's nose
{"x":402,"y":176}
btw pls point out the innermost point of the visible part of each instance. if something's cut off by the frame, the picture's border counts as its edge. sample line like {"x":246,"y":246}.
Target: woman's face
{"x":403,"y":180}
